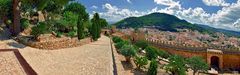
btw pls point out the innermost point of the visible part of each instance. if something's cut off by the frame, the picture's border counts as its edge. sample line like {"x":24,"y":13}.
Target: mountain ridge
{"x":167,"y":22}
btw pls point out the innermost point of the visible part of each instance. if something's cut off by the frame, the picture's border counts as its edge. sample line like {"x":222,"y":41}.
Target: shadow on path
{"x":16,"y":45}
{"x":27,"y":68}
{"x":4,"y":34}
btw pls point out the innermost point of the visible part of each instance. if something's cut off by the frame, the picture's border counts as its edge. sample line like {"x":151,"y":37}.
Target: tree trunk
{"x":15,"y":28}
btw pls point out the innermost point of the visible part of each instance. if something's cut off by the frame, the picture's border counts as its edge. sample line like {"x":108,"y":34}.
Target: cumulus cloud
{"x":114,"y":14}
{"x":227,"y":18}
{"x":166,"y":2}
{"x":94,"y":7}
{"x":215,"y":3}
{"x":129,"y":1}
{"x":237,"y":23}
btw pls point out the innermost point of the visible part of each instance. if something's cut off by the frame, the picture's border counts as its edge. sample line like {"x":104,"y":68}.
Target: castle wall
{"x":231,"y":61}
{"x":227,"y":59}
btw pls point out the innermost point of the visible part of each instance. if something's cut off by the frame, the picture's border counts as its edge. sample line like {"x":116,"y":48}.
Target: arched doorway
{"x":215,"y":62}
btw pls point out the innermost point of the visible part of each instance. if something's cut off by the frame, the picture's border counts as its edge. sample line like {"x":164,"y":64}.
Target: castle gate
{"x":215,"y":58}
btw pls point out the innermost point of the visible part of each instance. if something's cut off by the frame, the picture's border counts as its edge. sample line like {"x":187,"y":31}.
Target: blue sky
{"x":216,"y":13}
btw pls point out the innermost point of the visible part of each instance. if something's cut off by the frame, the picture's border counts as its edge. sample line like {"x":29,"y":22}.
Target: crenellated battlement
{"x":188,"y":47}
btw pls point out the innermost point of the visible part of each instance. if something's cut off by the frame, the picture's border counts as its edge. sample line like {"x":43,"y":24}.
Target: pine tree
{"x":96,"y":28}
{"x":80,"y":30}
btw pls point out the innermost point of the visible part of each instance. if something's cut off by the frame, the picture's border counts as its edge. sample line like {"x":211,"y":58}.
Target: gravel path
{"x":90,"y":59}
{"x":9,"y":64}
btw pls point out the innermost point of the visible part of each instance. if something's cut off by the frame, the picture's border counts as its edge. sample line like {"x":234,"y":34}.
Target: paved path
{"x":9,"y":64}
{"x":90,"y":59}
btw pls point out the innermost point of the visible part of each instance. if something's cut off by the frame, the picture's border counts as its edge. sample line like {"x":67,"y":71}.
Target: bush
{"x":163,"y":53}
{"x":152,"y":70}
{"x":41,"y":28}
{"x":128,"y":51}
{"x":59,"y":34}
{"x":137,"y":48}
{"x":116,"y":39}
{"x":24,"y":23}
{"x":71,"y":34}
{"x":197,"y":64}
{"x":121,"y":44}
{"x":176,"y":65}
{"x":151,"y":52}
{"x":141,"y":62}
{"x":142,"y":44}
{"x":68,"y":22}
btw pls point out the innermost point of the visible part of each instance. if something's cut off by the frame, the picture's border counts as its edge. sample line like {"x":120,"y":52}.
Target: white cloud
{"x":227,"y":18}
{"x":215,"y":2}
{"x":94,"y":7}
{"x":129,"y":1}
{"x":166,"y":2}
{"x":114,"y":13}
{"x":237,"y":23}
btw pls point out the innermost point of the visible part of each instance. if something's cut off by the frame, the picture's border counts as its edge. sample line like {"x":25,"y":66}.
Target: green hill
{"x":162,"y":21}
{"x":168,"y":22}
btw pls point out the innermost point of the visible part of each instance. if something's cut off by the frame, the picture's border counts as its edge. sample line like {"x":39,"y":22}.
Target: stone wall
{"x":51,"y":43}
{"x":231,"y":61}
{"x":226,"y":61}
{"x":229,"y":58}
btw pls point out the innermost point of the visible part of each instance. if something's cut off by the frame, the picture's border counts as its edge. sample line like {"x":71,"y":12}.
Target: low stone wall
{"x":56,"y":43}
{"x":119,"y":68}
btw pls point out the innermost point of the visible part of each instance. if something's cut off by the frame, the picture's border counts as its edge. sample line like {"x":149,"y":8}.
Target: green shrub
{"x":176,"y":65}
{"x":151,"y":52}
{"x":41,"y":28}
{"x":24,"y":23}
{"x":59,"y":34}
{"x":128,"y":51}
{"x":137,"y":48}
{"x":163,"y":53}
{"x":141,"y":62}
{"x":121,"y":44}
{"x":116,"y":39}
{"x":71,"y":34}
{"x":68,"y":22}
{"x":152,"y":70}
{"x":197,"y":64}
{"x":142,"y":44}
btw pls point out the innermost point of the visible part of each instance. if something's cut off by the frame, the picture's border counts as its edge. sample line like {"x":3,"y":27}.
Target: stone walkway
{"x":90,"y":59}
{"x":9,"y":64}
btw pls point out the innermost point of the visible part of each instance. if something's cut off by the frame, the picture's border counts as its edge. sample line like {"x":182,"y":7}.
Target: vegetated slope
{"x":168,"y":22}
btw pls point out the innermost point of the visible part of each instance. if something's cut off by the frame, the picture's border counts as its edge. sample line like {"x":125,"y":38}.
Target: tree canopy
{"x":196,"y":63}
{"x":96,"y":28}
{"x":176,"y":65}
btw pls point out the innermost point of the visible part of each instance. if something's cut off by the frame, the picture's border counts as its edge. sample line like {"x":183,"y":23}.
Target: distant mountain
{"x":163,"y":21}
{"x":168,"y":22}
{"x":226,"y":32}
